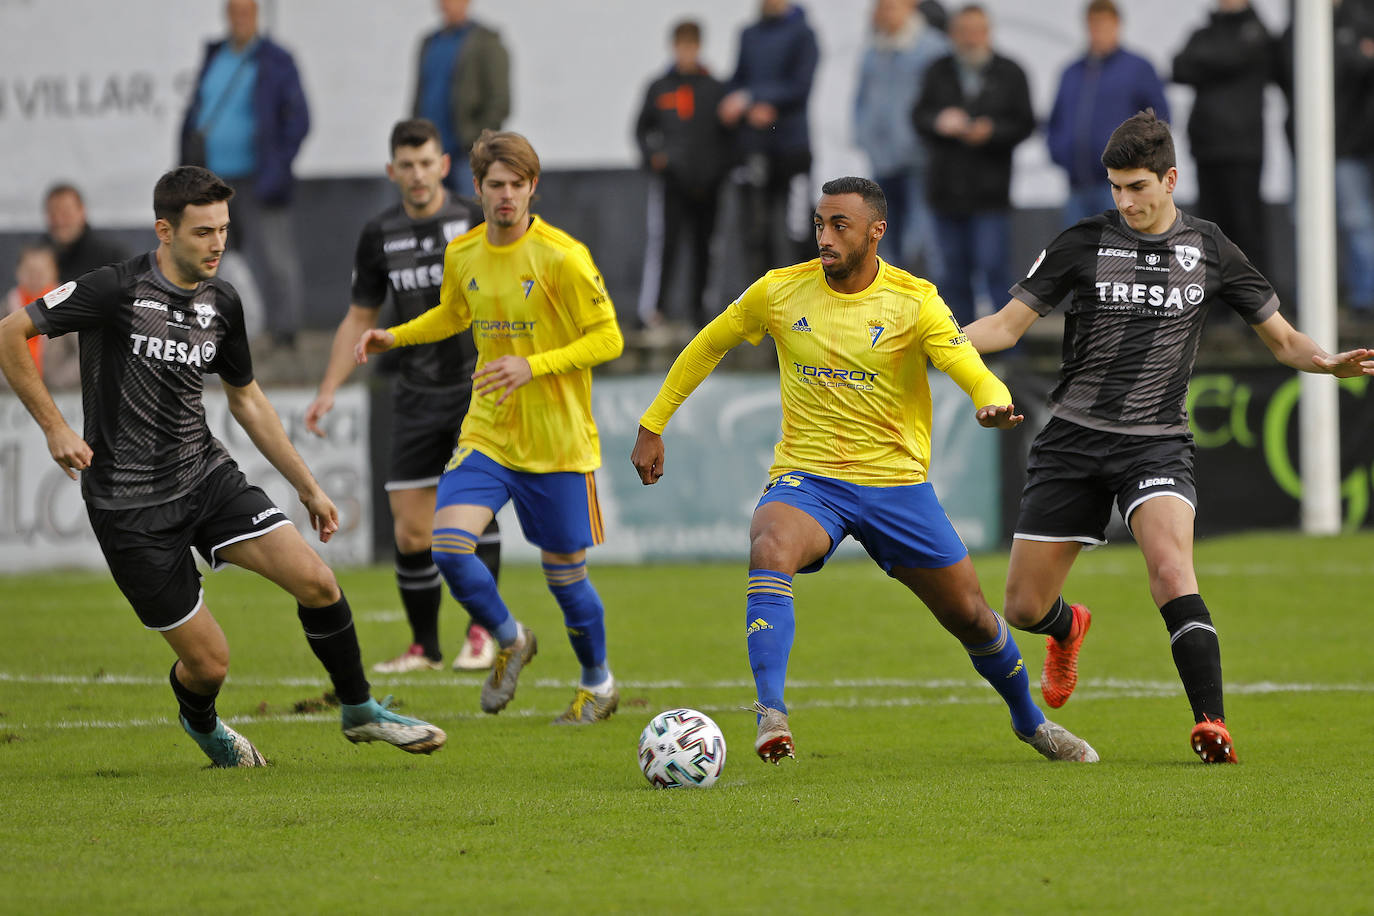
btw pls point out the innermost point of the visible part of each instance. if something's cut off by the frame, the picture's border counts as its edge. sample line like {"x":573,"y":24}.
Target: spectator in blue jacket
{"x":1096,"y":93}
{"x":890,"y":74}
{"x":766,"y":103}
{"x":245,"y":122}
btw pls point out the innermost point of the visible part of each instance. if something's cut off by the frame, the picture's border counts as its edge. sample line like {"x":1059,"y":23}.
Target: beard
{"x":845,"y":266}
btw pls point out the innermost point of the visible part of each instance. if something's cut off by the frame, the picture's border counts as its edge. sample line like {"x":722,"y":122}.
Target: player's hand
{"x":69,"y":450}
{"x":999,"y":416}
{"x":504,"y":374}
{"x":324,"y":515}
{"x":647,"y":456}
{"x":1349,"y":364}
{"x":374,"y":340}
{"x":322,"y":405}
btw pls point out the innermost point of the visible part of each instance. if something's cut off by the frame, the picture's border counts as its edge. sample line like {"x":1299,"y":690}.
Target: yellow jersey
{"x":855,"y":397}
{"x":540,"y":297}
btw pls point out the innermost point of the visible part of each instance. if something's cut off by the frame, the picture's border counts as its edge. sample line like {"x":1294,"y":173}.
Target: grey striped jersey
{"x":405,"y":257}
{"x":1136,"y":309}
{"x":146,"y":345}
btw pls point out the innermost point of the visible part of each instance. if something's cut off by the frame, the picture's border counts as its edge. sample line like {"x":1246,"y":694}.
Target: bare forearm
{"x":259,"y":419}
{"x":341,"y":361}
{"x":17,"y":364}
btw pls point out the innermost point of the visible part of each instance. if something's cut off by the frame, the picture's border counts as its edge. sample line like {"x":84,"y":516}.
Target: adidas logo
{"x":758,"y":623}
{"x":472,"y":285}
{"x":801,"y":325}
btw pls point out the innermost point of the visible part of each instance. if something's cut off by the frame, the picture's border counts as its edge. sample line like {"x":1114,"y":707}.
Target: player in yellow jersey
{"x":541,"y":320}
{"x":854,"y":335}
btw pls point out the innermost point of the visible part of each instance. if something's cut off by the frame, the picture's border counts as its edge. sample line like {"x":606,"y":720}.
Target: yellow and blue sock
{"x":770,"y":624}
{"x":471,"y":583}
{"x":584,"y":616}
{"x":1000,"y":664}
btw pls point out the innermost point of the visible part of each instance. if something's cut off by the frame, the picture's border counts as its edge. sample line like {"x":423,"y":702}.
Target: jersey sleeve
{"x":1051,"y":277}
{"x":369,"y":269}
{"x":451,"y":316}
{"x":79,"y":304}
{"x":583,"y":295}
{"x":748,"y":315}
{"x":233,"y":360}
{"x":1243,"y":287}
{"x":948,"y":349}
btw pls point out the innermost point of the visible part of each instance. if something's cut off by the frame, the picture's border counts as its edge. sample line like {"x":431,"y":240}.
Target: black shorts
{"x":148,"y":549}
{"x":1074,"y":473}
{"x":424,"y":433}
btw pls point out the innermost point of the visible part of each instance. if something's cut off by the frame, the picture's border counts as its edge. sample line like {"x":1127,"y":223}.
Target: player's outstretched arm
{"x":1003,"y":328}
{"x":341,"y":363}
{"x":1294,"y":348}
{"x":259,"y":419}
{"x":68,"y":449}
{"x":648,"y":456}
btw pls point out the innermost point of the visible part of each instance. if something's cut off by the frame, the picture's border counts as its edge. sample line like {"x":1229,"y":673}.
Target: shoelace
{"x":579,"y":701}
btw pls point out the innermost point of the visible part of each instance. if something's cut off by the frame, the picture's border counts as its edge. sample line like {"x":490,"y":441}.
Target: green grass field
{"x":909,"y":793}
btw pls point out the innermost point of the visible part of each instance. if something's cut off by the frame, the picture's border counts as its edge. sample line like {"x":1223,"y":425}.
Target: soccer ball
{"x":681,"y":747}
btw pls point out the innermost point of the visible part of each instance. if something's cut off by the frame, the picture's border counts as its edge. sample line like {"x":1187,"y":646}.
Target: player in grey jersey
{"x":1141,"y":278}
{"x":157,"y":483}
{"x":401,"y":251}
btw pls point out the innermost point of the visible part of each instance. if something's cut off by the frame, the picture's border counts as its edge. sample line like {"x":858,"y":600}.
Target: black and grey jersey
{"x":1135,"y":317}
{"x":406,"y":257}
{"x":146,"y":345}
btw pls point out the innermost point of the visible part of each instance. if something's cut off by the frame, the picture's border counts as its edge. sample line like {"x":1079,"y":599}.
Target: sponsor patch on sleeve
{"x":59,"y":295}
{"x":1036,"y":265}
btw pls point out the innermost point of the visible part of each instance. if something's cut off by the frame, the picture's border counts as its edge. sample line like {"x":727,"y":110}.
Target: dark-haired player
{"x":854,"y":335}
{"x":1141,"y":277}
{"x":157,"y":483}
{"x":401,"y":251}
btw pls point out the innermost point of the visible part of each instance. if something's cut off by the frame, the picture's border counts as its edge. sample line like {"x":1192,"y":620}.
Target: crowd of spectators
{"x":937,"y":112}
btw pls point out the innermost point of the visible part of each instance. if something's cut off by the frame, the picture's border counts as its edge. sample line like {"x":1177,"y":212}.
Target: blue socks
{"x":471,"y":583}
{"x":770,"y":624}
{"x":999,"y":662}
{"x":584,"y":616}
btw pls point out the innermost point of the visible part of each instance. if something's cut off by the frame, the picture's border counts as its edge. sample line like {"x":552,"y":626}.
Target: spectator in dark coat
{"x":78,"y":247}
{"x":767,"y":101}
{"x":974,"y":109}
{"x":1229,"y":61}
{"x":684,"y":147}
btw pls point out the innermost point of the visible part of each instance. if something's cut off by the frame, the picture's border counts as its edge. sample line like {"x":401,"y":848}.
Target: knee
{"x":1023,"y":608}
{"x":769,"y":550}
{"x":316,"y":586}
{"x":411,"y":538}
{"x":204,"y":670}
{"x":972,"y":624}
{"x":1172,"y":578}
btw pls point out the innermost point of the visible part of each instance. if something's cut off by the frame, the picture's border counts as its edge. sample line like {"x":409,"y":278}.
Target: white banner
{"x":43,"y":522}
{"x":93,"y":92}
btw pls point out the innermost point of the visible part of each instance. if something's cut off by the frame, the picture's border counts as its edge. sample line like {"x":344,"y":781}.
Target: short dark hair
{"x":187,"y":186}
{"x":865,"y":188}
{"x":687,"y":30}
{"x":63,"y":187}
{"x":414,"y":132}
{"x":1102,"y":6}
{"x":1142,"y":141}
